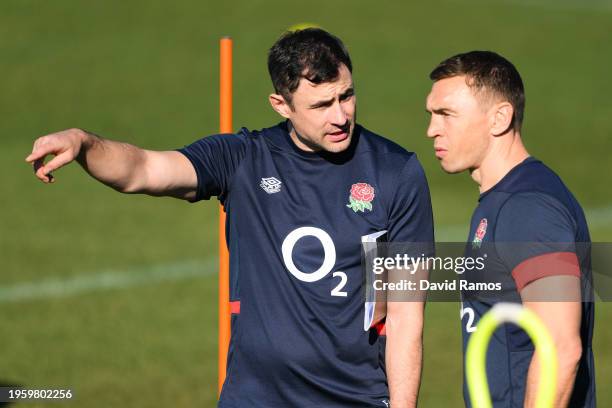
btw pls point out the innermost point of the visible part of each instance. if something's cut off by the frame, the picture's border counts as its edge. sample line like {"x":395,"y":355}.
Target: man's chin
{"x":338,"y":147}
{"x":449,"y":169}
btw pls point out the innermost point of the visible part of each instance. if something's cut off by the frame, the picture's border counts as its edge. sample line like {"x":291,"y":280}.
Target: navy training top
{"x":294,"y":225}
{"x":528,"y":218}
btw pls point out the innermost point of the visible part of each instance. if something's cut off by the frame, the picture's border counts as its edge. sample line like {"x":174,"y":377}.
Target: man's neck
{"x":506,"y":152}
{"x":299,"y":141}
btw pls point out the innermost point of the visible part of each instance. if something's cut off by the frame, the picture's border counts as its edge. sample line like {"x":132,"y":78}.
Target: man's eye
{"x":321,"y":106}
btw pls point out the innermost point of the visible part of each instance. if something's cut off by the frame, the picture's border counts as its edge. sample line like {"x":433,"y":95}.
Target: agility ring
{"x":478,"y":385}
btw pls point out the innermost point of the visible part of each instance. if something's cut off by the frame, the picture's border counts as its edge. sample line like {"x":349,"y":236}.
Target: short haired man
{"x":476,"y":105}
{"x":299,"y":197}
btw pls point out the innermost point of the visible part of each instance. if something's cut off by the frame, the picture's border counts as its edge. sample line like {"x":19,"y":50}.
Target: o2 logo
{"x":329,"y":259}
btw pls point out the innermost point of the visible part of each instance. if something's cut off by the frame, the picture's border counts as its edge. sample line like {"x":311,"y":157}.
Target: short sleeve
{"x":215,"y":160}
{"x":534,"y":236}
{"x":410,"y":213}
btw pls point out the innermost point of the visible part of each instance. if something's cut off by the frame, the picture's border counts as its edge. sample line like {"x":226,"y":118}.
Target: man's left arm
{"x":404,"y":329}
{"x":410,"y":232}
{"x":546,"y":270}
{"x":404,"y":351}
{"x":562,"y":319}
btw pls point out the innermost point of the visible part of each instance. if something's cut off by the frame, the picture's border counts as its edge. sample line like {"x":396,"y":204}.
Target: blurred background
{"x":115,"y":296}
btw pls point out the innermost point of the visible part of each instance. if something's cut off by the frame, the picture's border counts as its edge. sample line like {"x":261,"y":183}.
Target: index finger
{"x":40,"y":149}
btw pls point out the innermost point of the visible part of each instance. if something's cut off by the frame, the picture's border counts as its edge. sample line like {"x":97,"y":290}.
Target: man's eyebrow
{"x":322,"y":103}
{"x":350,"y":91}
{"x":439,"y":111}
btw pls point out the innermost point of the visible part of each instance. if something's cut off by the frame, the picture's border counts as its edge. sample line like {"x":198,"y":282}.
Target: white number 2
{"x":329,"y":259}
{"x":337,"y":291}
{"x":469,"y":326}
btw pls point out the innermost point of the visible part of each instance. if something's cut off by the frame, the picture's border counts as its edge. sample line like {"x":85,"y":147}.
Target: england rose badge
{"x":361,"y":197}
{"x":480,"y":233}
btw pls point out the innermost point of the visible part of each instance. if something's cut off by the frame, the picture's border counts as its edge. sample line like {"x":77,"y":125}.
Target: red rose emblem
{"x":362,"y":192}
{"x":480,"y":233}
{"x":361,"y":197}
{"x":482,"y":229}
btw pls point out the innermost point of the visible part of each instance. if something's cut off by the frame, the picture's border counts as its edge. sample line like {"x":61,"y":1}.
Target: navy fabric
{"x":299,"y":340}
{"x":530,"y":205}
{"x":537,"y":218}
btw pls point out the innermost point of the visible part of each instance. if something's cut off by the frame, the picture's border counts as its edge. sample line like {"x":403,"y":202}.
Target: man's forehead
{"x":343,"y":82}
{"x":449,"y":91}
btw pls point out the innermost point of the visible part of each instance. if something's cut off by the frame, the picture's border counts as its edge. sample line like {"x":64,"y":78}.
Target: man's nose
{"x":433,"y":129}
{"x":338,"y":114}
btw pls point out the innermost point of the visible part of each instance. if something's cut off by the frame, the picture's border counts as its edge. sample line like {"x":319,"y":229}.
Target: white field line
{"x":599,"y":217}
{"x":183,"y":270}
{"x":568,"y":5}
{"x":577,"y":5}
{"x":107,"y":279}
{"x":596,"y":218}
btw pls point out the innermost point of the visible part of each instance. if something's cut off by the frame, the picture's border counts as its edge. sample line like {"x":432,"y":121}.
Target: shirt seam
{"x":396,"y":185}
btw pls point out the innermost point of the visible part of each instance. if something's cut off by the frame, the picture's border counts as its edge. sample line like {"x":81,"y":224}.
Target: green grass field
{"x":115,"y":296}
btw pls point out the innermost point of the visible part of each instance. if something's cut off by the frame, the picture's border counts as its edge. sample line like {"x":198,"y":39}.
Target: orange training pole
{"x":225,"y":126}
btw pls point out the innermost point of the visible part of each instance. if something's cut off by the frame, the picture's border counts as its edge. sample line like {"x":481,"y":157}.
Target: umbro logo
{"x":271,"y":185}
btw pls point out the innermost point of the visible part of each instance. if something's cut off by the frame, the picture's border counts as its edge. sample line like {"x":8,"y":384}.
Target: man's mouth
{"x":338,"y":135}
{"x":440,"y":152}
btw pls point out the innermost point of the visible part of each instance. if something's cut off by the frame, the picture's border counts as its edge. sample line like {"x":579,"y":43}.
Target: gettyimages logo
{"x":270,"y":185}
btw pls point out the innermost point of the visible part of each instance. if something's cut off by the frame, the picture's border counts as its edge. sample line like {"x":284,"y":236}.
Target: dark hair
{"x":311,"y":53}
{"x":489,"y":72}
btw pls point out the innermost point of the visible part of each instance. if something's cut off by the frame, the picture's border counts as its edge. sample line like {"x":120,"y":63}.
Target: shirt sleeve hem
{"x":198,"y":196}
{"x":541,"y":266}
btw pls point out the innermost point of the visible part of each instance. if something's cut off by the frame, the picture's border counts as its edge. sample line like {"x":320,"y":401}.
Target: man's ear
{"x":280,"y":105}
{"x":503,"y":113}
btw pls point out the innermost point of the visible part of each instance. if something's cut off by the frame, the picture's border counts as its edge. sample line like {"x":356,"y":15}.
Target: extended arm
{"x":124,"y":167}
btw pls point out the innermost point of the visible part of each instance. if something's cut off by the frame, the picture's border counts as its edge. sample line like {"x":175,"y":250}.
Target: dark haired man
{"x":476,"y":105}
{"x":299,"y":197}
